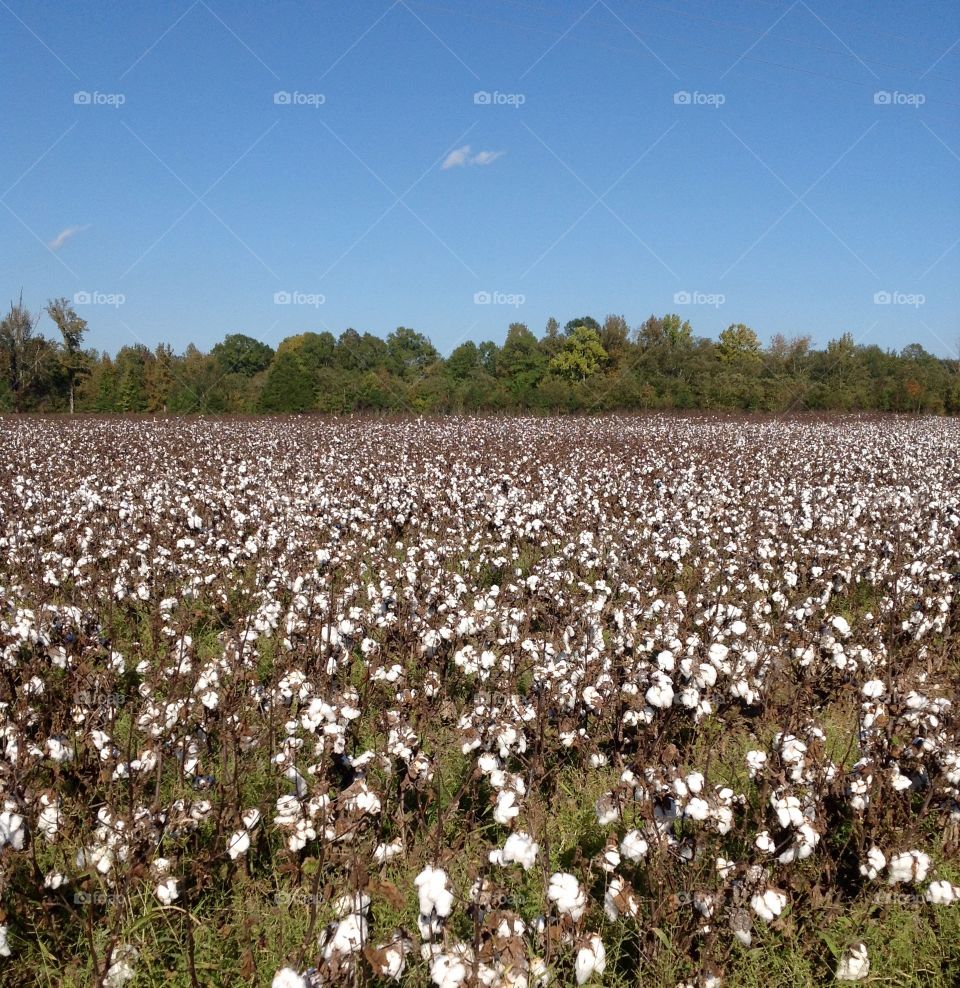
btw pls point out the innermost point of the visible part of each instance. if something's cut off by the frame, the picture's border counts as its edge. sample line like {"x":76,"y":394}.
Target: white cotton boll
{"x":697,"y":809}
{"x":607,"y":810}
{"x":666,"y":660}
{"x":942,"y":893}
{"x":873,"y":689}
{"x":12,"y":828}
{"x":840,"y":625}
{"x":250,"y":818}
{"x":447,"y":971}
{"x":166,"y":891}
{"x":875,"y":863}
{"x":738,"y":628}
{"x":765,"y":842}
{"x":756,"y":760}
{"x":768,"y":905}
{"x":564,"y":890}
{"x":387,"y":852}
{"x":434,"y":892}
{"x":238,"y":844}
{"x":591,"y":959}
{"x":660,"y":695}
{"x":909,"y":866}
{"x":286,"y":977}
{"x":854,"y":963}
{"x":122,"y":962}
{"x":633,"y":847}
{"x":717,"y":653}
{"x":4,"y":944}
{"x":506,"y":807}
{"x":522,"y":849}
{"x":346,"y":937}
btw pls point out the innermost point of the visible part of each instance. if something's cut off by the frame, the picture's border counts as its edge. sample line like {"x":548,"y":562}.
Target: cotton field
{"x":498,"y":702}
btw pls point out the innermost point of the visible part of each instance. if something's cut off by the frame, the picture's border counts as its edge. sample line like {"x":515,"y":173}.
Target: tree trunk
{"x":71,"y":397}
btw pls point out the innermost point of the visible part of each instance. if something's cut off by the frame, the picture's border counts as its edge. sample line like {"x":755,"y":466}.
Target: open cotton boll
{"x":660,"y":695}
{"x":565,"y":892}
{"x":166,"y":890}
{"x":4,"y":943}
{"x":447,"y":971}
{"x":506,"y":807}
{"x":434,"y":892}
{"x":633,"y":847}
{"x":591,"y":959}
{"x":286,"y":977}
{"x":520,"y":848}
{"x":238,"y":844}
{"x":854,"y":963}
{"x":875,"y":863}
{"x":697,"y":809}
{"x":909,"y":866}
{"x":122,"y":961}
{"x":769,"y":904}
{"x":942,"y":893}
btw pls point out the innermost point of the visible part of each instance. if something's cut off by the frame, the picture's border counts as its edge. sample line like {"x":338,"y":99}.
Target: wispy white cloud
{"x":464,"y":156}
{"x":64,"y":235}
{"x":486,"y":157}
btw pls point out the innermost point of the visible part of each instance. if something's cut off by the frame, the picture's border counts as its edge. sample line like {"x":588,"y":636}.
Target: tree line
{"x":584,"y":365}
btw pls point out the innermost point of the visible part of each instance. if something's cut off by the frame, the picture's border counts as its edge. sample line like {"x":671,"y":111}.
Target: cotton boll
{"x":769,"y":904}
{"x":564,"y":890}
{"x":756,"y":760}
{"x":447,"y":971}
{"x":660,"y":695}
{"x":875,"y":863}
{"x":288,"y":978}
{"x":633,"y":847}
{"x":506,"y":807}
{"x":942,"y":893}
{"x":909,"y":866}
{"x":4,"y":943}
{"x":591,"y":959}
{"x":765,"y":842}
{"x":854,"y":963}
{"x":697,"y":809}
{"x":166,"y":891}
{"x":434,"y":892}
{"x":238,"y":844}
{"x":840,"y":625}
{"x":522,"y":849}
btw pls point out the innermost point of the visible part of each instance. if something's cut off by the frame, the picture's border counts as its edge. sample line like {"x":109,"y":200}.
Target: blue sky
{"x":728,"y":161}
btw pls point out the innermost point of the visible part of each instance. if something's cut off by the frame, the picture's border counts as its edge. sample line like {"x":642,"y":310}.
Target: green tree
{"x":21,"y":352}
{"x":287,"y":387}
{"x":521,"y":363}
{"x":464,"y":361}
{"x":240,"y":354}
{"x":72,"y":329}
{"x":582,"y":355}
{"x":738,"y":341}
